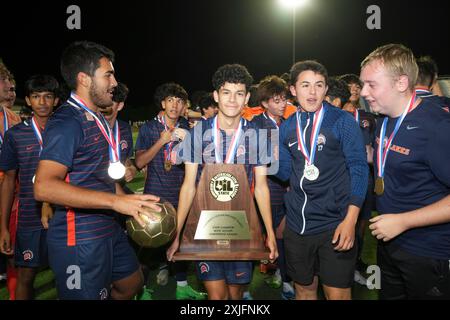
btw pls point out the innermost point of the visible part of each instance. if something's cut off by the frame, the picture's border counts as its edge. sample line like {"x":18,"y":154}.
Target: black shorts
{"x":311,"y":255}
{"x":407,"y":276}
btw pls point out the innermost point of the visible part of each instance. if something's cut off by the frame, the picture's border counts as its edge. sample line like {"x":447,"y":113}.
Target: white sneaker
{"x":359,"y":278}
{"x":2,"y":276}
{"x":162,"y":278}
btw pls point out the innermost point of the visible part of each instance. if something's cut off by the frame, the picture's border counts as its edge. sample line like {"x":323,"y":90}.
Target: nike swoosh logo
{"x":411,"y":128}
{"x":240,"y":274}
{"x":292,"y":143}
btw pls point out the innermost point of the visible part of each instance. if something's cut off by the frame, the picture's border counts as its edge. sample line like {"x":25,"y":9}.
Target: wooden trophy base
{"x":222,"y":223}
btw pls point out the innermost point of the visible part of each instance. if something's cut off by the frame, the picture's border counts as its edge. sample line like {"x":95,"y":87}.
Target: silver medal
{"x":311,"y":172}
{"x":116,"y":170}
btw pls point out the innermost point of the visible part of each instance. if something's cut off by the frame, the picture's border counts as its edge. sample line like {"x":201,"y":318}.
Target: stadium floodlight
{"x":294,"y":4}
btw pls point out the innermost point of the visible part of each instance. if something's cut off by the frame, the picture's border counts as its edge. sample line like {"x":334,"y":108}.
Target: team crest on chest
{"x":123,"y":145}
{"x":89,"y":116}
{"x":240,"y":151}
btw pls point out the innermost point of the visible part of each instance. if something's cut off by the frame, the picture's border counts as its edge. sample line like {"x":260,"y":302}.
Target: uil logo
{"x":224,"y":187}
{"x":27,"y":255}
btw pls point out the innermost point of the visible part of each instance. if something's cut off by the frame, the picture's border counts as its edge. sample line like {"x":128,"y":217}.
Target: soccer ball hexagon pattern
{"x":155,"y":233}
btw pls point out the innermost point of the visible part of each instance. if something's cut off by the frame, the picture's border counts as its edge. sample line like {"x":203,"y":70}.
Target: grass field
{"x":45,"y":282}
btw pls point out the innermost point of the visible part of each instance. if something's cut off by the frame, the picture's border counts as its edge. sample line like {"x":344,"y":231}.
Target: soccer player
{"x":412,"y":149}
{"x":7,"y":120}
{"x":225,"y":279}
{"x":154,"y":147}
{"x":19,"y":157}
{"x":322,"y":152}
{"x":122,"y":129}
{"x":427,"y":80}
{"x":88,"y":251}
{"x":271,"y":93}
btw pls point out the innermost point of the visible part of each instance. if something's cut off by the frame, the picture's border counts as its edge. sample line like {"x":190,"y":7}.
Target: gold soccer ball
{"x":155,"y":233}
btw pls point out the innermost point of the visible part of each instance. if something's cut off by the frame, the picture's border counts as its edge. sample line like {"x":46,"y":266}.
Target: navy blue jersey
{"x":417,"y":174}
{"x":162,"y":183}
{"x":200,"y":147}
{"x":126,"y":141}
{"x":277,"y":187}
{"x":73,"y":139}
{"x":443,"y":102}
{"x":20,"y":152}
{"x":317,"y":206}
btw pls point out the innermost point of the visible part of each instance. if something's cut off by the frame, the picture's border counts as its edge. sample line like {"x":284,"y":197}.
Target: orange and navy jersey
{"x":126,"y":141}
{"x":249,"y":112}
{"x":290,"y":110}
{"x":73,"y":139}
{"x":164,"y":184}
{"x":20,"y":151}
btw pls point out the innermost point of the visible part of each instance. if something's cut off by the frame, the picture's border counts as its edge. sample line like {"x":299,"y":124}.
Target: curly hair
{"x":232,"y":73}
{"x":120,"y":93}
{"x":169,"y":90}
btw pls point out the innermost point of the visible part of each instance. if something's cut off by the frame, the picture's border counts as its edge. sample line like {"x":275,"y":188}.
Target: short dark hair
{"x":308,"y":65}
{"x":338,"y":89}
{"x":170,"y":89}
{"x":232,"y":73}
{"x":428,"y":71}
{"x":351,"y":78}
{"x":82,"y":56}
{"x":120,"y":93}
{"x":41,"y":83}
{"x":270,"y":87}
{"x":205,"y":102}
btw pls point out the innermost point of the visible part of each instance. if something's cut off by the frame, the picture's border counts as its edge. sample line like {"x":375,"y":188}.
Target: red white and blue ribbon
{"x":356,"y":114}
{"x":114,"y":155}
{"x":37,"y":132}
{"x":231,"y":152}
{"x":383,"y":150}
{"x":5,"y":125}
{"x":168,"y":147}
{"x":318,"y":118}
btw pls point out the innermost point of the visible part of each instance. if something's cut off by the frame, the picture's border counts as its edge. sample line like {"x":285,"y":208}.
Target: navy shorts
{"x":31,"y":249}
{"x":87,"y":270}
{"x":314,"y":255}
{"x":233,"y":272}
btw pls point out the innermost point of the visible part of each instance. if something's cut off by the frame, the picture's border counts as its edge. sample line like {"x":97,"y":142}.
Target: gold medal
{"x":167,"y":165}
{"x":379,"y":186}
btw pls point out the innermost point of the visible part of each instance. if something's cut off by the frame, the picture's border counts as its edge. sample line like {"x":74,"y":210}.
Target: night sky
{"x":187,"y":40}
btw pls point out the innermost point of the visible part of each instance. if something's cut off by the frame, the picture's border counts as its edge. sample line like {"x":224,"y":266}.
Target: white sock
{"x":182,"y":283}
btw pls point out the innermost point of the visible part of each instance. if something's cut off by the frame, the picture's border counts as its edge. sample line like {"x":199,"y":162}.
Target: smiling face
{"x":310,"y":90}
{"x":379,"y":87}
{"x":102,"y":84}
{"x":231,"y":97}
{"x":42,"y":103}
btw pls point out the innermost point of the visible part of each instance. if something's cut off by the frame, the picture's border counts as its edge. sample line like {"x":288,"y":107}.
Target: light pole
{"x":293,"y":4}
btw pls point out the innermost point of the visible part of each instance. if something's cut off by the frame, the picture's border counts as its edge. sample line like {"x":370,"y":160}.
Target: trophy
{"x":222,"y":223}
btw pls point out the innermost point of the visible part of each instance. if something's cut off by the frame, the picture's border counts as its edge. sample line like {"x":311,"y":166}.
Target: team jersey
{"x":73,"y":139}
{"x":417,"y":174}
{"x":159,"y":182}
{"x":276,"y":186}
{"x":199,"y":147}
{"x":317,"y":206}
{"x":126,"y":141}
{"x":20,"y":152}
{"x":443,"y":102}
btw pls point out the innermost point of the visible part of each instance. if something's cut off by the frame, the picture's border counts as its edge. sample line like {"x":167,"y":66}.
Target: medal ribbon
{"x":267,"y":116}
{"x":382,"y":151}
{"x":231,"y":152}
{"x":318,"y":118}
{"x":168,"y":147}
{"x":105,"y":130}
{"x":37,"y":133}
{"x":356,"y":114}
{"x":5,"y":125}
